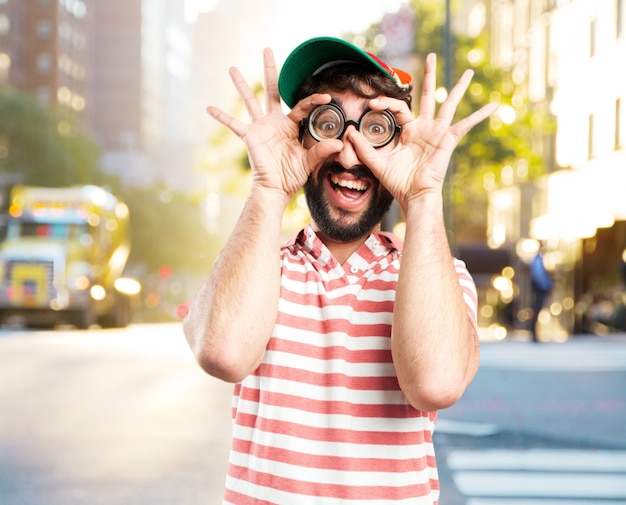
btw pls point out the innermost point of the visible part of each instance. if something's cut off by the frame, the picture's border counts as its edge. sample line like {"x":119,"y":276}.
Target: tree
{"x":44,"y":146}
{"x":494,"y":147}
{"x":167,"y":229}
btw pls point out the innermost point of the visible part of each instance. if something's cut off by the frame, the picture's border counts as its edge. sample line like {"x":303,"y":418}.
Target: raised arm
{"x":232,"y":316}
{"x":434,"y":342}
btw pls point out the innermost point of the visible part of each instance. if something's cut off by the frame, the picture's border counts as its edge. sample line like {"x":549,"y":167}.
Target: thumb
{"x":319,"y":152}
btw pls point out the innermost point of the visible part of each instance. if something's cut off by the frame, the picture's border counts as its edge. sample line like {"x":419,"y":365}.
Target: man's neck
{"x":341,"y":250}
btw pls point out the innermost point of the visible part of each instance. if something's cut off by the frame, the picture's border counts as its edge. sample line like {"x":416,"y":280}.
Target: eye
{"x":378,"y":127}
{"x":326,"y":122}
{"x":327,"y":125}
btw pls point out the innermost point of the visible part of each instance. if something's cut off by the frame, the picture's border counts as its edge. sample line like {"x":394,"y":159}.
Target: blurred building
{"x":565,"y":56}
{"x":123,"y":66}
{"x":141,"y":80}
{"x":45,"y":50}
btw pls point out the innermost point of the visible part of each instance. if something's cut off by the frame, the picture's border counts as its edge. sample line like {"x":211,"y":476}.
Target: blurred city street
{"x":118,"y":191}
{"x":542,"y":424}
{"x":111,"y":418}
{"x":127,"y":417}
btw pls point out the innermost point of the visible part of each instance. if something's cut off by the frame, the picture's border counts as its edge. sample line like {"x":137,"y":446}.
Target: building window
{"x":619,"y":141}
{"x":44,"y":95}
{"x":44,"y":29}
{"x":77,"y":8}
{"x":5,"y":66}
{"x":592,"y":38}
{"x":590,"y":138}
{"x":5,"y":24}
{"x":43,"y":63}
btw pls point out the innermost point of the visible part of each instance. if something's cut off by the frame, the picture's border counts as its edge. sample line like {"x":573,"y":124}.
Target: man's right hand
{"x":278,"y":160}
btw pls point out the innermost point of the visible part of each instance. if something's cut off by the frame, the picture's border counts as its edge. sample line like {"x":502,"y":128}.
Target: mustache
{"x":359,"y":172}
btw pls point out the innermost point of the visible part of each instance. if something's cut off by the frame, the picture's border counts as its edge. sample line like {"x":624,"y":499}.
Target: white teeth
{"x":349,"y":184}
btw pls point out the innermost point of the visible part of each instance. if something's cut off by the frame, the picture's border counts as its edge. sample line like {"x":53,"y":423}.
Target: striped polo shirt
{"x":323,"y":421}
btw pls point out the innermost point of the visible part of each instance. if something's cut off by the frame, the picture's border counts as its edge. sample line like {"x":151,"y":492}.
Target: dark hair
{"x":353,"y":77}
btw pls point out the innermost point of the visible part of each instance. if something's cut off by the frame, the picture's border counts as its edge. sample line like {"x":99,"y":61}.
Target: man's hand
{"x":418,"y":163}
{"x":278,"y":160}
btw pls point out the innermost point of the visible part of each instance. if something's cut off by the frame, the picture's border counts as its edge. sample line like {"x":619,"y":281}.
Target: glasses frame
{"x":306,"y":124}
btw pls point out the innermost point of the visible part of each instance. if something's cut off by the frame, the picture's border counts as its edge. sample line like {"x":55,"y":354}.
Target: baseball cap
{"x":319,"y":53}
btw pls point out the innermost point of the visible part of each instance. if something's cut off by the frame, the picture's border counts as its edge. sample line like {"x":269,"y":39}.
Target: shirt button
{"x":354,"y":270}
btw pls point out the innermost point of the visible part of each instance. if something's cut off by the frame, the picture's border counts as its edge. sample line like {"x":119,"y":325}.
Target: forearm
{"x":232,"y":316}
{"x":434,"y":345}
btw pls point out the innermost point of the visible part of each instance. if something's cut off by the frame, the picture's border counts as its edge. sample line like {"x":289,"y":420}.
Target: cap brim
{"x":312,"y":54}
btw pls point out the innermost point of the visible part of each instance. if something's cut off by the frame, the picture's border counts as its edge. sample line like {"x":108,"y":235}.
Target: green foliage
{"x":492,"y":145}
{"x":42,"y":146}
{"x":45,"y":147}
{"x":167,"y":229}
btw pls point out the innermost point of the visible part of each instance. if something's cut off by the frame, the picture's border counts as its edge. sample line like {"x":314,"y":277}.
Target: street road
{"x":542,"y":424}
{"x":126,"y":417}
{"x":109,"y":418}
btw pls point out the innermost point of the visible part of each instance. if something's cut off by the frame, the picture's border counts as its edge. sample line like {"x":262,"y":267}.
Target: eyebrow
{"x":338,"y":102}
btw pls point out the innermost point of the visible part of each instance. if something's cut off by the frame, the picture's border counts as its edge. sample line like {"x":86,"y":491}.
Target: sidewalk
{"x":489,"y":335}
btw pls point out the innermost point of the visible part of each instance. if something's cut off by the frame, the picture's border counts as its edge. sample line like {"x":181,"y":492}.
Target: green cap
{"x":319,"y":53}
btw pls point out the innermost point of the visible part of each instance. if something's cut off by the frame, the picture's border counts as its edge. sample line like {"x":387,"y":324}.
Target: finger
{"x":364,"y":150}
{"x":230,"y":122}
{"x":304,"y":106}
{"x":320,"y":151}
{"x":252,"y":104}
{"x":272,"y":95}
{"x":465,"y":125}
{"x":448,"y":108}
{"x":427,"y":100}
{"x":399,"y":108}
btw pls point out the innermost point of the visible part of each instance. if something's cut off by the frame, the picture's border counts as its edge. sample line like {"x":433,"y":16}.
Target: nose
{"x":348,"y":156}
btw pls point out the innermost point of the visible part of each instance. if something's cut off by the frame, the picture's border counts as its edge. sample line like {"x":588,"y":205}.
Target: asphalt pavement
{"x":542,"y":424}
{"x":126,"y":417}
{"x":109,"y":417}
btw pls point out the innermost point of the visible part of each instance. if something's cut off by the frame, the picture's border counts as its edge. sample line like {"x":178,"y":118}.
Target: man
{"x":542,"y":284}
{"x":343,"y":343}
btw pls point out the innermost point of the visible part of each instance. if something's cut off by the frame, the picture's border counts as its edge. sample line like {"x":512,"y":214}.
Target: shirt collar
{"x":377,"y":244}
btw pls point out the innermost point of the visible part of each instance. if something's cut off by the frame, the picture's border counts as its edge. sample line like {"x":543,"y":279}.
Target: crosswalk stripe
{"x":545,"y":485}
{"x":539,"y":476}
{"x":539,"y":460}
{"x":532,"y":501}
{"x":452,"y":427}
{"x":584,"y":356}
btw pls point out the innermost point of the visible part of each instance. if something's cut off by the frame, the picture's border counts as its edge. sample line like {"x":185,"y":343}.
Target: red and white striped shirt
{"x":322,"y":421}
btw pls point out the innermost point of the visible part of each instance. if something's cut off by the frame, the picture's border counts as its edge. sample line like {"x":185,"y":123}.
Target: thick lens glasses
{"x":328,"y":121}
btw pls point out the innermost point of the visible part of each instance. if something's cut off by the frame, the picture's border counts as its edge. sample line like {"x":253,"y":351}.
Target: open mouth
{"x":350,"y":189}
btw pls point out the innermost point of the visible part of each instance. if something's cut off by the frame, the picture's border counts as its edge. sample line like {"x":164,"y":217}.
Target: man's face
{"x":346,"y":201}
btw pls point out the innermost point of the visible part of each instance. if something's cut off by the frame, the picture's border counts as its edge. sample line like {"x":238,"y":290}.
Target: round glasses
{"x":328,"y":121}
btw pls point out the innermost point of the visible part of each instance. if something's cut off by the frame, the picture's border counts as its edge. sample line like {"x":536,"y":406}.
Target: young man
{"x":343,"y":343}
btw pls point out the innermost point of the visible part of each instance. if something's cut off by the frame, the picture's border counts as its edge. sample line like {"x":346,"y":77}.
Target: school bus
{"x":63,"y":258}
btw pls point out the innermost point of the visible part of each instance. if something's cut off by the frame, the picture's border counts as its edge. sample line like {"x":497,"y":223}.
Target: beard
{"x":345,"y":228}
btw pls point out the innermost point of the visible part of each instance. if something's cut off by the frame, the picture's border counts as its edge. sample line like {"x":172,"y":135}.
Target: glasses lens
{"x":378,"y":127}
{"x":326,"y":122}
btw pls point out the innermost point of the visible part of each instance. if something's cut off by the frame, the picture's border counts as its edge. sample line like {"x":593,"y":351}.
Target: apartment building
{"x":566,"y":57}
{"x":141,"y":83}
{"x":45,"y":49}
{"x":122,"y":66}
